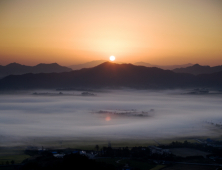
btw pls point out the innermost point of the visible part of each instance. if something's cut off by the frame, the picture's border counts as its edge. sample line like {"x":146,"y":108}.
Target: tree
{"x":97,"y":147}
{"x":12,"y":162}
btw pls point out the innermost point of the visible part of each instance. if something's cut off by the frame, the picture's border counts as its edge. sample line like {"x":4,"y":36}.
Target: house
{"x":75,"y":152}
{"x":59,"y":155}
{"x":82,"y":152}
{"x":156,"y":150}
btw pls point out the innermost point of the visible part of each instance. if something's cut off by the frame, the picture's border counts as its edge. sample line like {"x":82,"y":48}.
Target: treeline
{"x":135,"y":153}
{"x":12,"y":162}
{"x":72,"y":161}
{"x":215,"y":151}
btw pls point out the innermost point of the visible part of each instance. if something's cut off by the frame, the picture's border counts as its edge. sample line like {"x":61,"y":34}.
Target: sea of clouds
{"x":24,"y":115}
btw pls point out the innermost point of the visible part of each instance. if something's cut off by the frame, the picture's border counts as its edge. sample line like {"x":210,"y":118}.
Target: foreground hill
{"x":198,"y":69}
{"x":111,"y":75}
{"x":18,"y":69}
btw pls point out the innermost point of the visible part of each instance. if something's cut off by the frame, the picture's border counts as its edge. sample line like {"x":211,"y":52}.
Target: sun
{"x":112,"y":58}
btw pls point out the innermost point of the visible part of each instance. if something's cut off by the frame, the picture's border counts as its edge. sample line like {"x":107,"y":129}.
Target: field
{"x":158,"y":167}
{"x":15,"y":154}
{"x":184,"y":152}
{"x":117,"y":162}
{"x":189,"y":167}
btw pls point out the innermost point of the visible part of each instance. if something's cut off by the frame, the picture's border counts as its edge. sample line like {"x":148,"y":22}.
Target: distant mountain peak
{"x":13,"y":64}
{"x":141,"y":63}
{"x":112,"y":75}
{"x":164,"y":67}
{"x":107,"y":64}
{"x":18,"y":69}
{"x":48,"y":64}
{"x":195,"y":65}
{"x":198,"y":69}
{"x":87,"y":65}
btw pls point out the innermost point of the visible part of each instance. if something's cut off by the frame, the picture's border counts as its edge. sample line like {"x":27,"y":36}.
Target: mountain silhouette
{"x":111,"y":75}
{"x":198,"y":69}
{"x":87,"y":65}
{"x":164,"y":67}
{"x":98,"y":62}
{"x":18,"y":69}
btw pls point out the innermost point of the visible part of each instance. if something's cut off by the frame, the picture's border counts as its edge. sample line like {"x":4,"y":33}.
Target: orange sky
{"x":70,"y":32}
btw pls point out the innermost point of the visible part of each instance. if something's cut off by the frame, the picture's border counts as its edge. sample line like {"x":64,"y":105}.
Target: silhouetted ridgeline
{"x":164,"y":67}
{"x":198,"y":69}
{"x":87,"y":65}
{"x":98,"y":62}
{"x":18,"y":69}
{"x":112,"y":75}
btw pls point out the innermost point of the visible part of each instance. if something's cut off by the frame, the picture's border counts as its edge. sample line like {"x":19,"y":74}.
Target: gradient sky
{"x":70,"y":32}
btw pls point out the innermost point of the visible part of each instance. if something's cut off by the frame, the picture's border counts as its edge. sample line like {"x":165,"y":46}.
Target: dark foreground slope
{"x":71,"y":161}
{"x":111,"y":75}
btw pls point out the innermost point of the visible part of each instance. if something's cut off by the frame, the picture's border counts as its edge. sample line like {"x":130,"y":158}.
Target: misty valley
{"x":111,"y":85}
{"x":124,"y":127}
{"x":109,"y":115}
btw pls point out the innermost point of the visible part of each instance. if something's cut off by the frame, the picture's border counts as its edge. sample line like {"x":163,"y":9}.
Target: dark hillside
{"x":111,"y":75}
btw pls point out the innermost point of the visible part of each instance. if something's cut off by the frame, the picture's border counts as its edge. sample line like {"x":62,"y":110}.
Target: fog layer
{"x":72,"y":115}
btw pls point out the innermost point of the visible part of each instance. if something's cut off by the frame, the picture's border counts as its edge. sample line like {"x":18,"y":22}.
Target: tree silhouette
{"x":97,"y":147}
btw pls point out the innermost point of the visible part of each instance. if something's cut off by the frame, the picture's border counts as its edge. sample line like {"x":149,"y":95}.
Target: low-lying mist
{"x":71,"y":115}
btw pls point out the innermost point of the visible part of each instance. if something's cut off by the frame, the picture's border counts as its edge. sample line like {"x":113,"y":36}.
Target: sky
{"x":162,"y":32}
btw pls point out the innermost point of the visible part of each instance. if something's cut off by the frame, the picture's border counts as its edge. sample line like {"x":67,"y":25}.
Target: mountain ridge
{"x":87,"y":64}
{"x":112,"y":75}
{"x":97,"y":62}
{"x":164,"y":67}
{"x":18,"y":69}
{"x":197,"y":69}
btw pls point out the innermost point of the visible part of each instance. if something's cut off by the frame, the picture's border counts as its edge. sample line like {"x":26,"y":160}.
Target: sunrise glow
{"x":74,"y":32}
{"x":108,"y":118}
{"x":112,"y":58}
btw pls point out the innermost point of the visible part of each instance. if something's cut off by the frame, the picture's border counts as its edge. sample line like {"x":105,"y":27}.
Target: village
{"x":199,"y":154}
